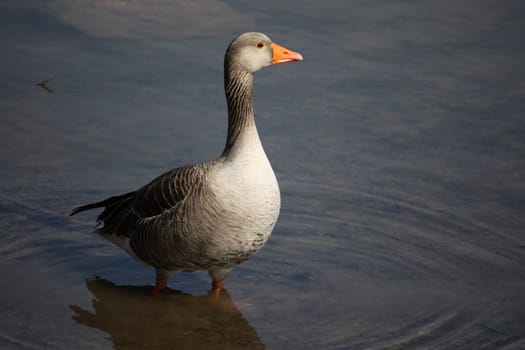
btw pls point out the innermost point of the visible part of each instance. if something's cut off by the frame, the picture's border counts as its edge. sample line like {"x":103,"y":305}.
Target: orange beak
{"x":283,"y":55}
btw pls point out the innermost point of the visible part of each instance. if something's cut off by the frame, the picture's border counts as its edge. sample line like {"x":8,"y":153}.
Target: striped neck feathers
{"x":238,"y":86}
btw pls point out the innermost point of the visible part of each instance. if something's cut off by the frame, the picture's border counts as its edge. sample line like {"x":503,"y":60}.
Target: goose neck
{"x":238,"y":86}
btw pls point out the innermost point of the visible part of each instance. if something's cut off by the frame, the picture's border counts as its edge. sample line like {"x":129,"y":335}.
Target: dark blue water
{"x":399,"y":145}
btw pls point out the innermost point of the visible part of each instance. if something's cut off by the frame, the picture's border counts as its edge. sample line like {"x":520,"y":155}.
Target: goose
{"x":211,"y":215}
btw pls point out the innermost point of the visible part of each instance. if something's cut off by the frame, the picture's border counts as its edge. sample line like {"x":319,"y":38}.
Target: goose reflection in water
{"x":173,"y":320}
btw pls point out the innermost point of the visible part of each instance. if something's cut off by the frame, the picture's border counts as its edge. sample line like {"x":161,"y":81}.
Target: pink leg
{"x":160,"y":283}
{"x":216,"y":287}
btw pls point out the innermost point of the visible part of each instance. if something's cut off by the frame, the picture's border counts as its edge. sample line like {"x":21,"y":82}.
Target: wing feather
{"x":123,"y":214}
{"x":167,"y":190}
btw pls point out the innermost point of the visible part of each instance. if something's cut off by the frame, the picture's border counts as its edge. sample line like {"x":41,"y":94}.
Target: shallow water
{"x":399,"y":144}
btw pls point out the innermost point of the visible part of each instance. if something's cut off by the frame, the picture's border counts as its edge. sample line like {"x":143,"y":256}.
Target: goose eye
{"x":260,"y":44}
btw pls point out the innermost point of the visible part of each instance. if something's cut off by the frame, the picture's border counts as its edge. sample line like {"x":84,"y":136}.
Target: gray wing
{"x":167,"y":190}
{"x":122,"y":214}
{"x":153,"y":238}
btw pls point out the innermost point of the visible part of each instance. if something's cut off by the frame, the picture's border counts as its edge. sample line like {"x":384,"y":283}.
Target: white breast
{"x":248,"y":192}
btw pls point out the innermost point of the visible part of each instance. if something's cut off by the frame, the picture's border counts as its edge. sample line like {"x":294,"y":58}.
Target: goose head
{"x":251,"y":52}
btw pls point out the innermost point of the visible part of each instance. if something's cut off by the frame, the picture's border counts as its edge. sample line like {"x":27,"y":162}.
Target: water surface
{"x":398,"y":144}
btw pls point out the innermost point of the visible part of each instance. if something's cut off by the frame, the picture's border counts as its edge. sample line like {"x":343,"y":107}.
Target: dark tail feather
{"x":100,"y":204}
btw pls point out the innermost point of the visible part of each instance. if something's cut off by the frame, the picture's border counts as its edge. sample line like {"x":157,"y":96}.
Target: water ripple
{"x":371,"y":271}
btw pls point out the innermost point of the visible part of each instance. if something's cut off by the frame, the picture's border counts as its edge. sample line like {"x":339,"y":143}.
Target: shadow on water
{"x":174,"y":320}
